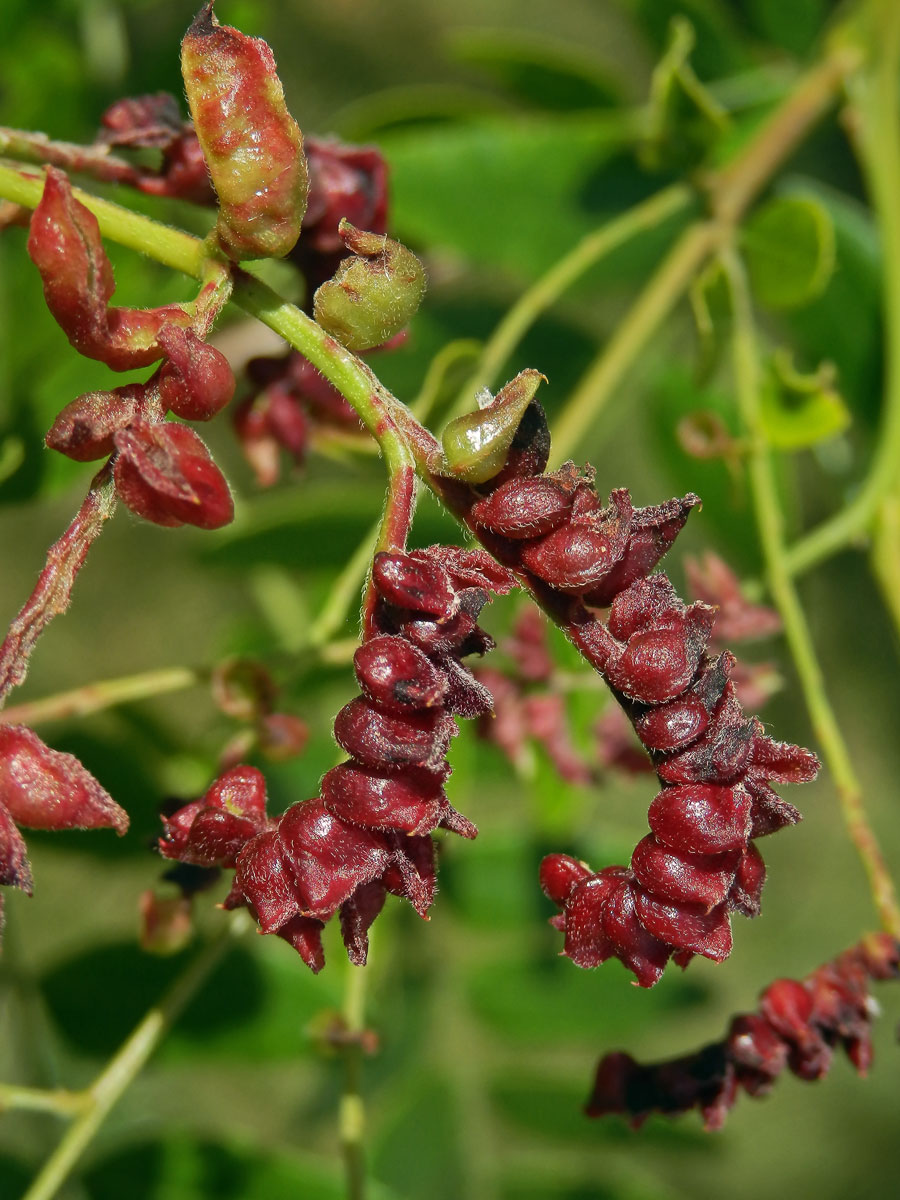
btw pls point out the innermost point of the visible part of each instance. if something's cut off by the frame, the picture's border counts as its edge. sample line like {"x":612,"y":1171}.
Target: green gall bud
{"x":373,"y":295}
{"x":476,"y":445}
{"x":252,"y":145}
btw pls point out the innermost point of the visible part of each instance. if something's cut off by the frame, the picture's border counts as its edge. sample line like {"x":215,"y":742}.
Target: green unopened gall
{"x":374,"y":294}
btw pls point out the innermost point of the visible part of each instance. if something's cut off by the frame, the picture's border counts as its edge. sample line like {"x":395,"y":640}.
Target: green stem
{"x":171,"y":247}
{"x":127,"y":1063}
{"x":770,"y":524}
{"x":652,"y":306}
{"x":103,"y":693}
{"x":548,"y":289}
{"x":438,"y":369}
{"x":876,"y":101}
{"x":58,"y":1100}
{"x":345,"y":590}
{"x":731,"y":191}
{"x":388,"y":421}
{"x":885,"y":556}
{"x":352,"y":1115}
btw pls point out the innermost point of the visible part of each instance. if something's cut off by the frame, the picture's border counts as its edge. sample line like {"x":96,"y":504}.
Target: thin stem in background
{"x":770,"y":523}
{"x":352,"y":1113}
{"x":660,"y":295}
{"x":885,"y":557}
{"x":875,"y":98}
{"x":121,"y":1070}
{"x":730,"y":191}
{"x":94,"y":697}
{"x":533,"y":302}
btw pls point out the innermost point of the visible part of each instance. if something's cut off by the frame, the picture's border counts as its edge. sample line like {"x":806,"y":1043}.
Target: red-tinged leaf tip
{"x":47,"y":789}
{"x":164,"y":473}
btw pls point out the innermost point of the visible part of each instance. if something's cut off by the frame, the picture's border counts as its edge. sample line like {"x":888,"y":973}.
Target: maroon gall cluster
{"x":288,"y":399}
{"x":344,"y":181}
{"x":737,"y":621}
{"x":368,"y":833}
{"x":162,"y":470}
{"x":42,"y":788}
{"x":797,"y":1027}
{"x":699,"y":862}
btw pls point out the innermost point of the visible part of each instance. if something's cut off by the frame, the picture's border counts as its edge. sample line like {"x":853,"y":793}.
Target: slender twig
{"x":52,"y":593}
{"x":438,"y":370}
{"x":127,"y":1063}
{"x":770,"y":523}
{"x":653,"y":305}
{"x":599,"y":243}
{"x":731,"y":191}
{"x":352,"y":1113}
{"x":101,"y":694}
{"x":56,"y":1100}
{"x":876,"y":102}
{"x":97,"y":160}
{"x":885,"y":556}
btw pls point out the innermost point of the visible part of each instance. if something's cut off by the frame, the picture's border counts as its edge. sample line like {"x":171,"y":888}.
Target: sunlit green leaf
{"x":789,"y":245}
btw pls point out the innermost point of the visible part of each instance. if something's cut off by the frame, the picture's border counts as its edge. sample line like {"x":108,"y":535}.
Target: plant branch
{"x":57,"y":1100}
{"x":653,"y":305}
{"x":128,"y":1062}
{"x":770,"y":524}
{"x":730,"y":192}
{"x":53,"y":591}
{"x":547,"y":290}
{"x":96,"y":161}
{"x":885,"y":556}
{"x":352,"y":1116}
{"x":875,"y":97}
{"x":94,"y":697}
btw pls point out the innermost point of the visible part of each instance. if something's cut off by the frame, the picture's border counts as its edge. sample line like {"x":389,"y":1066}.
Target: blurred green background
{"x":509,"y":128}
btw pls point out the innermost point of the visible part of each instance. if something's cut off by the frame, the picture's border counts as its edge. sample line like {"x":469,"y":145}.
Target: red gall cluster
{"x":797,"y":1027}
{"x":526,"y":704}
{"x":154,"y":122}
{"x":162,"y":470}
{"x":699,"y":862}
{"x":737,"y":620}
{"x":42,"y":788}
{"x":344,"y":180}
{"x":288,"y":399}
{"x":368,"y":833}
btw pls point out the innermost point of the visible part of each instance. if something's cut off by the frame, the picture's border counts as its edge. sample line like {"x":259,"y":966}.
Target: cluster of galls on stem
{"x":368,"y":833}
{"x":243,"y":151}
{"x":797,"y":1027}
{"x":699,"y":862}
{"x":162,"y":470}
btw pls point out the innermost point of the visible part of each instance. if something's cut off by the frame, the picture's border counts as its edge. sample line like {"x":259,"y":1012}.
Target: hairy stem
{"x":127,"y":1063}
{"x":96,"y":161}
{"x":770,"y":523}
{"x":52,"y":593}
